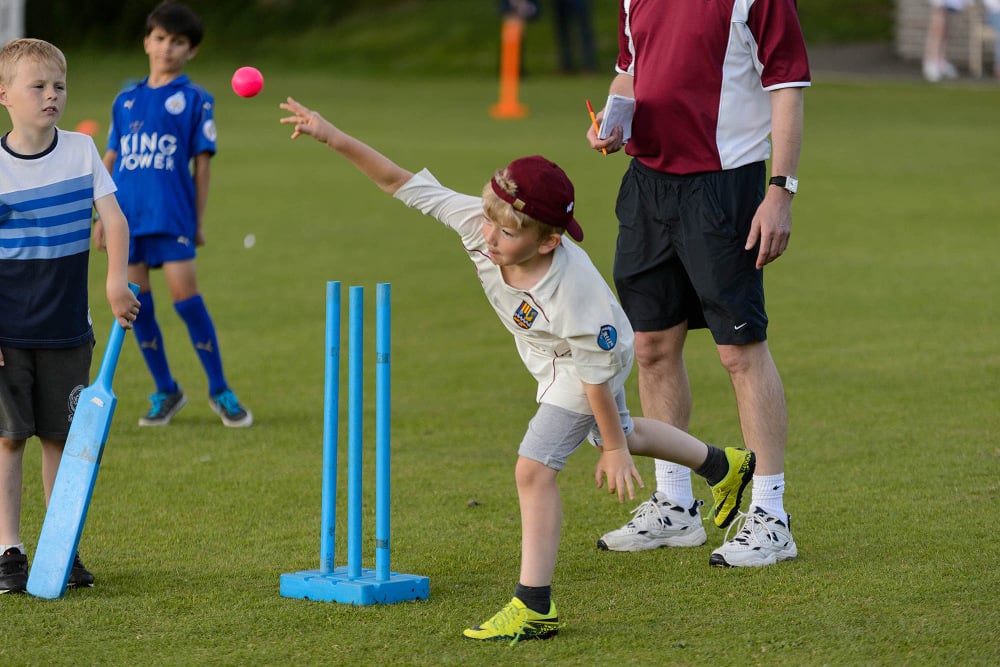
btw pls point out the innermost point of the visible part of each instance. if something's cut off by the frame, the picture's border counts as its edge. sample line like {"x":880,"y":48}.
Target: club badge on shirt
{"x":525,"y":315}
{"x":175,"y":104}
{"x":607,"y":337}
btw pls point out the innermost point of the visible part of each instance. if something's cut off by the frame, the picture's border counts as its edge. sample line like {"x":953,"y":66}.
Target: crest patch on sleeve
{"x":607,"y":337}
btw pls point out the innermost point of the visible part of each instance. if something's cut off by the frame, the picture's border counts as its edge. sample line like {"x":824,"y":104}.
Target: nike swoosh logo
{"x":740,"y":326}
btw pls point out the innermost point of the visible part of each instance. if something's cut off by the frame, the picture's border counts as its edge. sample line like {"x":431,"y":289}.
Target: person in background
{"x":516,"y":14}
{"x":160,"y":144}
{"x":992,"y":8}
{"x":936,"y":65}
{"x":523,"y":10}
{"x":575,"y":35}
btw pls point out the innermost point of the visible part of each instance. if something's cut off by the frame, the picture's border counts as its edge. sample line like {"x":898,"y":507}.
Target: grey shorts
{"x":554,"y":433}
{"x":680,"y":255}
{"x":39,"y":390}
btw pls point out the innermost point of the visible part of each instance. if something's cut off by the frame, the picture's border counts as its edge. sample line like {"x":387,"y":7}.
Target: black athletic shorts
{"x":680,"y":253}
{"x":39,"y":390}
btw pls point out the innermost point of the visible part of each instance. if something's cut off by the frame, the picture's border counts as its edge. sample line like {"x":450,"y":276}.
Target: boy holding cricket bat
{"x":50,"y":181}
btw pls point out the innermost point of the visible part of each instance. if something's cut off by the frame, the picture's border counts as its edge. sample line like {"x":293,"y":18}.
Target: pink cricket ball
{"x":247,"y":81}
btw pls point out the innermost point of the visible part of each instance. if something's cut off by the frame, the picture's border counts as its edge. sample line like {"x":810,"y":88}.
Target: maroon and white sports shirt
{"x":702,"y":71}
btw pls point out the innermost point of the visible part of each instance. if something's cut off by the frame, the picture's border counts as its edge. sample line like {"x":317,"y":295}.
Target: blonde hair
{"x":505,"y":215}
{"x":37,"y":50}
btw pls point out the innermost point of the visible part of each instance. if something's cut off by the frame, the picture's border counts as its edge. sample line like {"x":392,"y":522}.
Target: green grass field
{"x":883,"y":321}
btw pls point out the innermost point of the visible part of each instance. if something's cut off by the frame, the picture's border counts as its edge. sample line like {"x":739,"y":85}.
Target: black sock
{"x":536,"y":598}
{"x":715,"y":467}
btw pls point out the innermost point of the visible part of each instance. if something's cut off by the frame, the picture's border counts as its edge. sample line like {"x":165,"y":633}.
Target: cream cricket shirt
{"x":568,"y":328}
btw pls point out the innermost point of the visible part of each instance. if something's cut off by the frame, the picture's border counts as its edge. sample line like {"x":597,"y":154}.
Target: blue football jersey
{"x":157,"y":132}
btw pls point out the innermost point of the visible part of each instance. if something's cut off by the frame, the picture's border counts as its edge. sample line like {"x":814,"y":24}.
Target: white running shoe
{"x":761,"y":539}
{"x":657,"y":523}
{"x":932,"y":71}
{"x":948,"y":71}
{"x":940,"y":70}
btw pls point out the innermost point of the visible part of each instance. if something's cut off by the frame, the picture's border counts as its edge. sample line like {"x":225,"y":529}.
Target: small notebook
{"x":617,"y":111}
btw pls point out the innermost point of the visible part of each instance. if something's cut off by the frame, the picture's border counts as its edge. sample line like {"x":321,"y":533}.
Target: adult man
{"x":698,"y":221}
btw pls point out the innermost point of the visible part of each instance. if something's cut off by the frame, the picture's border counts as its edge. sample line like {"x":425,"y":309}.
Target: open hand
{"x":618,"y":467}
{"x":307,"y":122}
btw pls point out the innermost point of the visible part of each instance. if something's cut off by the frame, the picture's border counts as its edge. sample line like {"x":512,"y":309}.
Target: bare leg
{"x":52,"y":451}
{"x":764,"y":537}
{"x":541,"y":521}
{"x":665,"y":394}
{"x":936,"y":65}
{"x":651,"y":437}
{"x":182,"y":279}
{"x":11,"y":471}
{"x":937,"y":27}
{"x":760,"y":399}
{"x":664,"y":391}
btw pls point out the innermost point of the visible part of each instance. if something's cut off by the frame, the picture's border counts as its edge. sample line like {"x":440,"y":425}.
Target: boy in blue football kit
{"x":50,"y":181}
{"x":572,"y":336}
{"x":161,"y":141}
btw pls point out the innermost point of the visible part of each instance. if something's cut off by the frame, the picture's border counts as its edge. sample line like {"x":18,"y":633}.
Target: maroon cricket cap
{"x":543,"y":191}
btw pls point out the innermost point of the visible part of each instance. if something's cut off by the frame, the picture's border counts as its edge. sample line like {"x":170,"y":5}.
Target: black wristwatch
{"x":789,"y":183}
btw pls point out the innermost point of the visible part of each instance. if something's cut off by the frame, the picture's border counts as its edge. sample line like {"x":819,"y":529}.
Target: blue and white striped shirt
{"x":45,"y":216}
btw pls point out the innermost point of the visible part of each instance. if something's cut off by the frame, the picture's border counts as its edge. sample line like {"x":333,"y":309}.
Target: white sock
{"x":19,"y":546}
{"x":674,"y":481}
{"x":768,"y":492}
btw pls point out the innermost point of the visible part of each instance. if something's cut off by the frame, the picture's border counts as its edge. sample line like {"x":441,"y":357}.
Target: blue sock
{"x":202,"y":333}
{"x":147,"y":334}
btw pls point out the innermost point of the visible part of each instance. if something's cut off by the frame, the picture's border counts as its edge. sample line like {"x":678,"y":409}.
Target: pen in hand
{"x":593,"y":119}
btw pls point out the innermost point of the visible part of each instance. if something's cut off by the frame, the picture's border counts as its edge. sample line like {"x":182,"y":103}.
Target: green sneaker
{"x":515,"y":622}
{"x":729,"y":492}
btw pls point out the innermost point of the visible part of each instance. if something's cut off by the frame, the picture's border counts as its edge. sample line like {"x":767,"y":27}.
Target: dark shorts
{"x":157,"y":249}
{"x":680,"y":254}
{"x":39,"y":390}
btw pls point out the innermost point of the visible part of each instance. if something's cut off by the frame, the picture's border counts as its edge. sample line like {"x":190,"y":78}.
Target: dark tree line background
{"x":120,"y":23}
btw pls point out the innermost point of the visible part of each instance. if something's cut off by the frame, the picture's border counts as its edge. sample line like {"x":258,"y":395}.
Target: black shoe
{"x":13,"y":571}
{"x":79,"y":576}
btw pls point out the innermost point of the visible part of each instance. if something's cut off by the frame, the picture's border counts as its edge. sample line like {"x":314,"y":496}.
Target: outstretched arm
{"x":381,"y":170}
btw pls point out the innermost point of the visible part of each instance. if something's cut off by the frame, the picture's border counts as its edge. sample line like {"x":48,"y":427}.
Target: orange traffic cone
{"x":510,"y":71}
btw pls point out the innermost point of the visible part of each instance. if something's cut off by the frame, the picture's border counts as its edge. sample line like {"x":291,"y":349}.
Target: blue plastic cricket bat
{"x":76,"y":476}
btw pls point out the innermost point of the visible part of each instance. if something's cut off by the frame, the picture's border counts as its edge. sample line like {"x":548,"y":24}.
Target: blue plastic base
{"x":337,"y":586}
